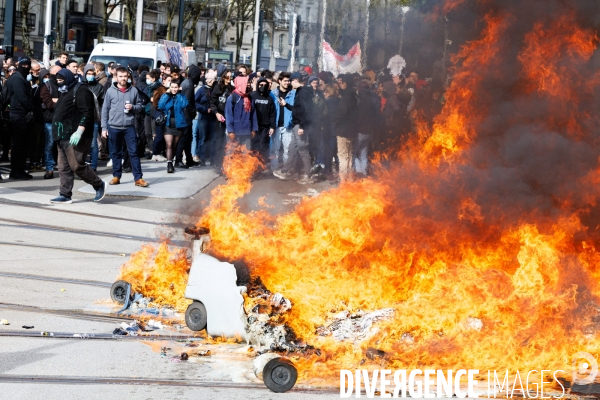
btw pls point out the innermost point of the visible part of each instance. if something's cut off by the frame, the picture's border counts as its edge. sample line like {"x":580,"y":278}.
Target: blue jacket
{"x":287,"y":113}
{"x":237,"y":120}
{"x":202,"y":99}
{"x":178,"y":103}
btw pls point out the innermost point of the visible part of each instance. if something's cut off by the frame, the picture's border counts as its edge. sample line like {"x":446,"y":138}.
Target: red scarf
{"x":241,"y":87}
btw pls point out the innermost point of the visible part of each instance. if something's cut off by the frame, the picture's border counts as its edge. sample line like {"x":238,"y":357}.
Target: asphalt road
{"x":87,"y":242}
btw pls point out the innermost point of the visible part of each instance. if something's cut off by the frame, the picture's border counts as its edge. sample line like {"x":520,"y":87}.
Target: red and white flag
{"x":341,"y":64}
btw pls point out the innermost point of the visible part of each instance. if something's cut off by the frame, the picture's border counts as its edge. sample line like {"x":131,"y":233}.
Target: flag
{"x":341,"y":64}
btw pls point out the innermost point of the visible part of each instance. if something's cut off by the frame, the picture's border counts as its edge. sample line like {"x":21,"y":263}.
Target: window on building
{"x":281,"y":42}
{"x":266,"y":41}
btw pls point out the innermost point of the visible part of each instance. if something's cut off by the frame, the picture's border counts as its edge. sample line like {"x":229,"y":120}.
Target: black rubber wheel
{"x":280,"y":375}
{"x":195,"y":316}
{"x":118,"y":291}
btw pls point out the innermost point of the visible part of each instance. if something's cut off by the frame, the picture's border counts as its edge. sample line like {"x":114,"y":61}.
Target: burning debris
{"x":354,"y":326}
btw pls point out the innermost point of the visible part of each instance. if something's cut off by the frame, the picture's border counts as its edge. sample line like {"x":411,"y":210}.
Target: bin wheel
{"x":195,"y":316}
{"x":280,"y":375}
{"x":118,"y":291}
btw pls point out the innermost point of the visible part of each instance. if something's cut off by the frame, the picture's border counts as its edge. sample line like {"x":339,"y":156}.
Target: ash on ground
{"x":264,"y":313}
{"x":354,"y":326}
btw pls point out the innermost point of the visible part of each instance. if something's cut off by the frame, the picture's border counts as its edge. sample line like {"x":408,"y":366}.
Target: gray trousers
{"x":72,"y":160}
{"x":298,"y":149}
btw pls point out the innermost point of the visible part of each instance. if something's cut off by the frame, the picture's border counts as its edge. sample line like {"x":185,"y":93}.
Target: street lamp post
{"x":180,"y":24}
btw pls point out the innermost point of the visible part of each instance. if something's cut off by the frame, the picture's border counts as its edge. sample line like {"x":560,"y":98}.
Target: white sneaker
{"x":196,"y":159}
{"x":159,"y":158}
{"x":109,"y":163}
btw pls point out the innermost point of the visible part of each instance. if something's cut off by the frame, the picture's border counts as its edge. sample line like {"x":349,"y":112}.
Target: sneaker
{"x":196,"y":159}
{"x":141,"y":183}
{"x":3,"y":177}
{"x":115,"y":181}
{"x":170,"y":168}
{"x":100,"y":193}
{"x":315,"y":169}
{"x":281,"y":174}
{"x":49,"y":175}
{"x":109,"y":163}
{"x":21,"y":177}
{"x":160,"y":158}
{"x":181,"y":165}
{"x":61,"y":200}
{"x":306,"y":180}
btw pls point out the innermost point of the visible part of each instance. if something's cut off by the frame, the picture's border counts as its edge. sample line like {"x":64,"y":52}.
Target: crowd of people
{"x":304,"y":126}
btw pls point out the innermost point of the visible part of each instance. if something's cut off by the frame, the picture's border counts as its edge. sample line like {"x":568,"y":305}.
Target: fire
{"x":487,"y":218}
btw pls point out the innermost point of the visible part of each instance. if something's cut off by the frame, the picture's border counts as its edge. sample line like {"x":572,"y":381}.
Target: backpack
{"x":97,"y":114}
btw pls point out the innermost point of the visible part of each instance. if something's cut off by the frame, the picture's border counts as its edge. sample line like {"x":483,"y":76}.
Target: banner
{"x":341,"y":64}
{"x":175,"y":53}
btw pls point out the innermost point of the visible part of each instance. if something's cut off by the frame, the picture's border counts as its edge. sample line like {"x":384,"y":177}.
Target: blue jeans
{"x":206,"y":133}
{"x":94,"y":152}
{"x":115,"y":137}
{"x":196,"y":139}
{"x":281,"y":138}
{"x":48,"y":158}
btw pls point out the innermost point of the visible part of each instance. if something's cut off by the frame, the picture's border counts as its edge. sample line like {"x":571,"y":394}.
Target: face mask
{"x":90,"y":78}
{"x":29,"y":78}
{"x":46,"y":80}
{"x":63,"y":88}
{"x":128,"y":80}
{"x":149,"y":82}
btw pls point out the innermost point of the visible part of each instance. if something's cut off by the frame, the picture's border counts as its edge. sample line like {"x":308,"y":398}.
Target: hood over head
{"x":266,"y":90}
{"x":43,"y":73}
{"x":194,"y":73}
{"x":220,"y":69}
{"x":89,"y":67}
{"x":210,"y":77}
{"x":68,"y":76}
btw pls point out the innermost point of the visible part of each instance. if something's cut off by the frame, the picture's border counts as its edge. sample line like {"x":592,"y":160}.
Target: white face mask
{"x":29,"y":78}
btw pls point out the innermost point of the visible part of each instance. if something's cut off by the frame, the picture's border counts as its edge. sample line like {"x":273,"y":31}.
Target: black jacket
{"x":71,"y":111}
{"x":98,"y":90}
{"x":48,"y":91}
{"x":369,"y":117}
{"x":301,"y":110}
{"x":17,"y":95}
{"x":264,"y":106}
{"x":345,"y":117}
{"x":218,"y":98}
{"x":188,"y":90}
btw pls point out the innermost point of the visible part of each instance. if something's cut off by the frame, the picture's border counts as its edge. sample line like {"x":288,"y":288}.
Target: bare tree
{"x":192,"y":13}
{"x":108,"y":6}
{"x":26,"y":7}
{"x":224,"y":9}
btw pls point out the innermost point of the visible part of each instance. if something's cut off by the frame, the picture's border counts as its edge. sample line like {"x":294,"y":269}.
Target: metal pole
{"x":9,"y":27}
{"x":293,"y":55}
{"x":180,"y":22}
{"x":139,"y":19}
{"x":47,"y":33}
{"x":323,"y":22}
{"x":366,"y":40}
{"x":256,"y":31}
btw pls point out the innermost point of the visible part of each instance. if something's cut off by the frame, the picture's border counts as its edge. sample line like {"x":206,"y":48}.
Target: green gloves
{"x":76,"y":137}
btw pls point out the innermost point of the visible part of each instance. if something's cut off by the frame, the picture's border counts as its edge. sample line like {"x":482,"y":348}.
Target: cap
{"x":296,"y":75}
{"x":24,"y":61}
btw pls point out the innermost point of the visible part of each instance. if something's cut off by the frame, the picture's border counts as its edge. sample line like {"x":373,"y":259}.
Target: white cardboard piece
{"x":214,"y":284}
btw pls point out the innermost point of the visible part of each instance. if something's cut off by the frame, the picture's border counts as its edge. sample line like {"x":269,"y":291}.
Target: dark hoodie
{"x":94,"y":86}
{"x":187,"y":89}
{"x":73,"y":110}
{"x":264,"y":105}
{"x":17,"y":94}
{"x":48,"y":91}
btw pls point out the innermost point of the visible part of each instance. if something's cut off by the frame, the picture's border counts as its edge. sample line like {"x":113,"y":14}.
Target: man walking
{"x":185,"y":142}
{"x":121,"y":102}
{"x":49,"y":95}
{"x":264,"y":106}
{"x":284,"y":101}
{"x":72,"y":129}
{"x":17,"y":95}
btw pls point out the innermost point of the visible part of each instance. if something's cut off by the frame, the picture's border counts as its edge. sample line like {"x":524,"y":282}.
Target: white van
{"x":122,"y":51}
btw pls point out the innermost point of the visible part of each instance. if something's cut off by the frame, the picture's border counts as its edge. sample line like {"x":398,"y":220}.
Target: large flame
{"x":480,"y":218}
{"x":490,"y":216}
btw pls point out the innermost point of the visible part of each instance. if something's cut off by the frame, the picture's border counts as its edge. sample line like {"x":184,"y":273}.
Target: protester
{"x":62,"y":60}
{"x":100,"y":73}
{"x":368,"y":121}
{"x":37,"y":137}
{"x":17,"y":95}
{"x":280,"y":140}
{"x":159,"y":141}
{"x":206,"y":120}
{"x":72,"y":127}
{"x":345,"y":122}
{"x":121,"y":103}
{"x":98,"y":91}
{"x":316,"y":107}
{"x":49,"y":95}
{"x":185,"y":144}
{"x":218,"y":98}
{"x":152,"y":130}
{"x":266,"y":115}
{"x":298,"y":147}
{"x":240,"y":116}
{"x":173,"y":104}
{"x":112,"y":66}
{"x":332,"y":98}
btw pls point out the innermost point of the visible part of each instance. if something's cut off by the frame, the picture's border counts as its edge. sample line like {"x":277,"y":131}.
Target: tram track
{"x":55,"y":279}
{"x":76,"y":314}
